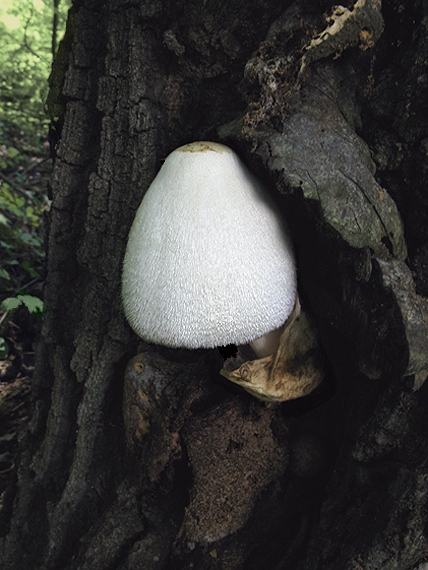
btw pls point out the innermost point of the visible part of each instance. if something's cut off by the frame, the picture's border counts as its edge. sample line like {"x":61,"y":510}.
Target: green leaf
{"x":4,"y":349}
{"x":4,"y":274}
{"x":10,"y":304}
{"x":12,"y":152}
{"x":27,"y":238}
{"x":33,"y":304}
{"x":30,"y":270}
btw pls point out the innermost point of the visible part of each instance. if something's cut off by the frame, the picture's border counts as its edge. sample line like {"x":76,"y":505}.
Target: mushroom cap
{"x":208,"y":261}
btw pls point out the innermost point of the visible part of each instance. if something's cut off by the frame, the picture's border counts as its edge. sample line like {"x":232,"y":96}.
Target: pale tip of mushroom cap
{"x":204,"y":146}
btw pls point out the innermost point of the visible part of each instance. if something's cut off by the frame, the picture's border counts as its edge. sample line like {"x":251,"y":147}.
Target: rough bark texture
{"x":210,"y":477}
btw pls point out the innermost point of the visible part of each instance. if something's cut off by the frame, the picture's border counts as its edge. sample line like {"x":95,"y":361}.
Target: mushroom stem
{"x":294,"y":370}
{"x":269,"y":343}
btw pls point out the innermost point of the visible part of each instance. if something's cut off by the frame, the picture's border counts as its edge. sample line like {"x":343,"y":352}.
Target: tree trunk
{"x":328,"y":107}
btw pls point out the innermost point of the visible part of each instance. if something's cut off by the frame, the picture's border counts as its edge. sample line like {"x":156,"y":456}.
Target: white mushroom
{"x":209,"y":261}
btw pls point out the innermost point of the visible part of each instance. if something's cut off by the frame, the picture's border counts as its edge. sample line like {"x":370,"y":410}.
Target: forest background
{"x":30,"y":32}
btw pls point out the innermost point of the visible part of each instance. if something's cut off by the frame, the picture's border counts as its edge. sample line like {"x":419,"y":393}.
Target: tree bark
{"x":325,"y":107}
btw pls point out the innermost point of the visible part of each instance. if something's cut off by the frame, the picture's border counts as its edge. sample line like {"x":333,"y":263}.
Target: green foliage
{"x":21,"y":249}
{"x":27,"y":215}
{"x":23,"y":204}
{"x":26,"y":59}
{"x":4,"y":349}
{"x":8,"y":307}
{"x":32,"y":304}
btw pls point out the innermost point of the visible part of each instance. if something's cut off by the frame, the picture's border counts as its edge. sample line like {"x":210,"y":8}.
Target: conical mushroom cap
{"x":208,"y":261}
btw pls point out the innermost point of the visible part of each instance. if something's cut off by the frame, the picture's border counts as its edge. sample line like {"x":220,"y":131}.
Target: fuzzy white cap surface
{"x":208,"y":261}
